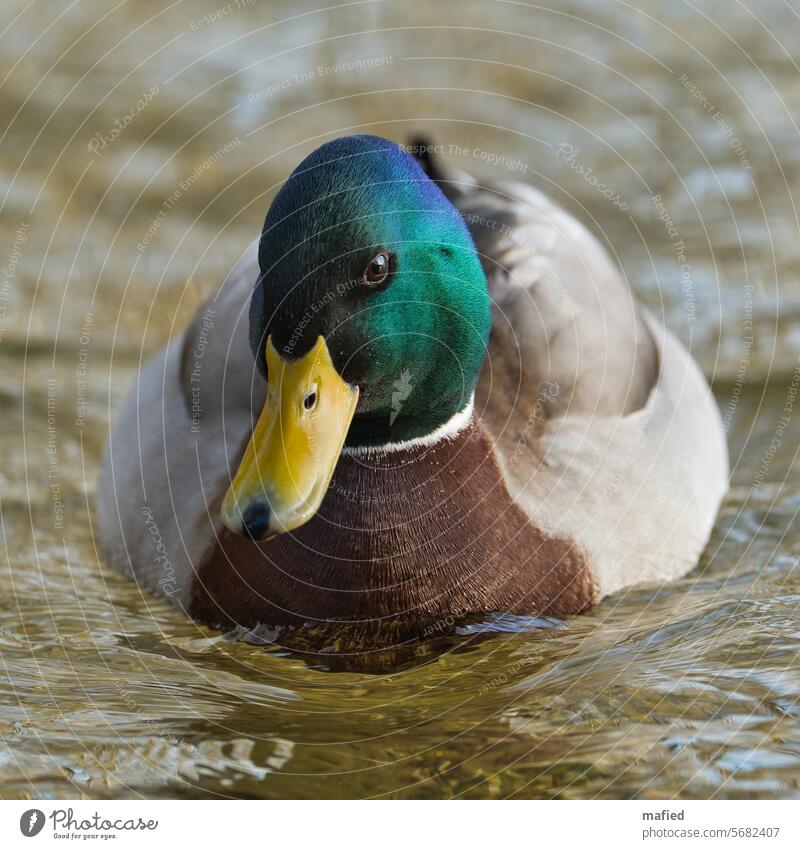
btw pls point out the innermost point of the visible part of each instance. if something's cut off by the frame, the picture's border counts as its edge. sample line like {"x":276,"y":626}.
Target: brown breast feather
{"x":416,"y":534}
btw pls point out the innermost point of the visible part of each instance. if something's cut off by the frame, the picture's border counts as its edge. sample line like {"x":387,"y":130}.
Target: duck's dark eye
{"x":377,"y":270}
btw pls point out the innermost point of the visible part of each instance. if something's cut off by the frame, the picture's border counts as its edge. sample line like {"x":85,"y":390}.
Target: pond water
{"x":143,"y":145}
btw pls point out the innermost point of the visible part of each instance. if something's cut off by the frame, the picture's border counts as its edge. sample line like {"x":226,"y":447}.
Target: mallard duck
{"x":416,"y":397}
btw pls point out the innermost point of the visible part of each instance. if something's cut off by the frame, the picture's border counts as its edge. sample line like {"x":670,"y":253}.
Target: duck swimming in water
{"x":416,"y":398}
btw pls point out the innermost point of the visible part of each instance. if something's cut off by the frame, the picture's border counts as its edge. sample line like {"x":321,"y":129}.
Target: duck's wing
{"x":604,"y":427}
{"x":177,"y":438}
{"x":562,"y":313}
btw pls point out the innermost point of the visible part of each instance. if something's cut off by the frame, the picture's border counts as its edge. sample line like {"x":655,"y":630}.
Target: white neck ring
{"x":450,"y":429}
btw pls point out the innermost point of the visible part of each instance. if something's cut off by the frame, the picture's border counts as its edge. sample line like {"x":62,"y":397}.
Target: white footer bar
{"x":402,"y":825}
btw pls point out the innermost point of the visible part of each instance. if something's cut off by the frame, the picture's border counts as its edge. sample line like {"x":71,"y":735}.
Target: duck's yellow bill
{"x":289,"y":461}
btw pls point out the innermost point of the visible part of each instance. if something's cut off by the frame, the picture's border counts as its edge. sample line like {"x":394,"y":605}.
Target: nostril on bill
{"x":255,"y":521}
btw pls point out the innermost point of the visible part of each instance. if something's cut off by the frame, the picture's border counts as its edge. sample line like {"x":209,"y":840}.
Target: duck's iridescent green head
{"x":362,"y":249}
